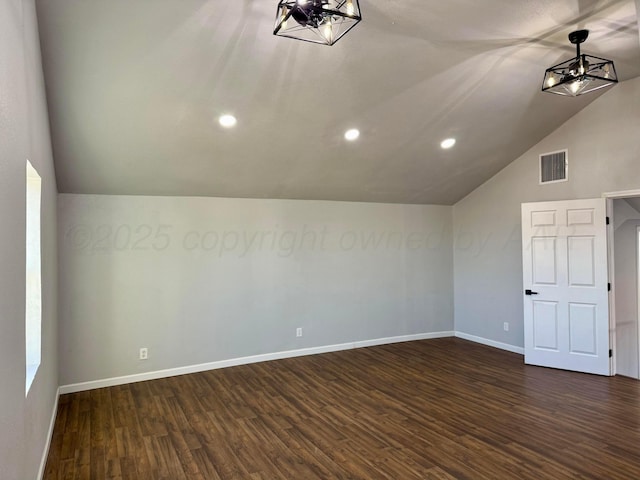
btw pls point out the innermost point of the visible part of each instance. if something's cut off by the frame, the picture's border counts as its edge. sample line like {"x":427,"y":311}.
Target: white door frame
{"x":611,"y":196}
{"x":638,"y":293}
{"x":622,"y":194}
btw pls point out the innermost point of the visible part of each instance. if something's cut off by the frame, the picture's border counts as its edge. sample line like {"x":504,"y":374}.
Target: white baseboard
{"x":171,"y":372}
{"x":490,"y":343}
{"x":45,"y":454}
{"x":402,"y":338}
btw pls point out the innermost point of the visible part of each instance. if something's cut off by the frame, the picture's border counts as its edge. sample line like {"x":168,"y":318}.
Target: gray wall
{"x":604,"y":156}
{"x":24,"y":134}
{"x":198,"y":280}
{"x":627,"y":221}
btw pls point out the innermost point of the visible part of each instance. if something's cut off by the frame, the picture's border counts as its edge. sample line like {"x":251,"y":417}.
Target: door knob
{"x":529,"y":292}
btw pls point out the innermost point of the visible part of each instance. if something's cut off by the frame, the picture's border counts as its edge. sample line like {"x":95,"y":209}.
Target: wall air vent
{"x":554,"y":167}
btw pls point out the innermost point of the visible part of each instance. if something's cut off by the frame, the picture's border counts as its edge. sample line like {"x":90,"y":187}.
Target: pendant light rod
{"x":578,"y":37}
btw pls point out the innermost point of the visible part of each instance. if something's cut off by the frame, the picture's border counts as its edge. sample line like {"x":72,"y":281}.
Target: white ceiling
{"x":135,"y":88}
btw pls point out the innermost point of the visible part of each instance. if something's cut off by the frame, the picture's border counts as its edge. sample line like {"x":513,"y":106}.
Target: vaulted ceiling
{"x":135,"y":88}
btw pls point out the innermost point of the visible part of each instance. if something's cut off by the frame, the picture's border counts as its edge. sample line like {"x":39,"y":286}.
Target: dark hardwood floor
{"x":436,"y":409}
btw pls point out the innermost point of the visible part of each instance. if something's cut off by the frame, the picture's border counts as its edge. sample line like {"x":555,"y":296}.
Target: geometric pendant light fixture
{"x":316,"y":21}
{"x":581,"y":74}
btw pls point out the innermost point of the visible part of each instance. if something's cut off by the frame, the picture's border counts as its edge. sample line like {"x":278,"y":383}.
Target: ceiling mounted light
{"x":316,"y":21}
{"x":228,"y":121}
{"x":448,"y":143}
{"x":581,"y":74}
{"x":352,"y":134}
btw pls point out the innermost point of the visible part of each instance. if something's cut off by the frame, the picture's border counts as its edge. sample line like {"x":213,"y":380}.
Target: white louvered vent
{"x":554,"y":167}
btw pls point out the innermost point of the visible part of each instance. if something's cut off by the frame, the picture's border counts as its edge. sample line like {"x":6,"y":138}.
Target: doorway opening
{"x":624,"y":265}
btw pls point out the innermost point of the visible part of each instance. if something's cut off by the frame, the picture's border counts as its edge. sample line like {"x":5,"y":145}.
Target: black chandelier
{"x":316,"y":21}
{"x":581,"y":74}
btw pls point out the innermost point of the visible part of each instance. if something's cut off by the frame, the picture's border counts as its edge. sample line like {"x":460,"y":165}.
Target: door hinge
{"x":608,"y":287}
{"x":610,"y":353}
{"x":608,"y":220}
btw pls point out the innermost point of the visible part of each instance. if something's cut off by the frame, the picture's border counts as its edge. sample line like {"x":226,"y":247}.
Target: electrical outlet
{"x":506,"y":326}
{"x":144,"y":353}
{"x":299,"y":332}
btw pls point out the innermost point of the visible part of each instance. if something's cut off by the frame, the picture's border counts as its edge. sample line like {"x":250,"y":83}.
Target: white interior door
{"x":566,"y":300}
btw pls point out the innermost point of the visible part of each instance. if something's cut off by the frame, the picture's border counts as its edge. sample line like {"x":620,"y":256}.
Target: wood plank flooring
{"x":436,"y":409}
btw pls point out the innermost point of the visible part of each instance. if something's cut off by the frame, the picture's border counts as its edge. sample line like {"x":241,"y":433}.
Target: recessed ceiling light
{"x":228,"y":121}
{"x":448,"y":143}
{"x":352,"y":134}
